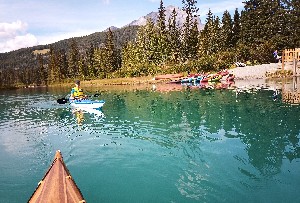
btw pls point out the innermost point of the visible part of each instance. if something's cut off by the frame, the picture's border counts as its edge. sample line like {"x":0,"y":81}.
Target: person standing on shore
{"x":77,"y":92}
{"x":276,"y":56}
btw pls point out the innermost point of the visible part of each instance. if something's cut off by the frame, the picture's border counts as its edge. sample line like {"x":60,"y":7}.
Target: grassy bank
{"x":115,"y":82}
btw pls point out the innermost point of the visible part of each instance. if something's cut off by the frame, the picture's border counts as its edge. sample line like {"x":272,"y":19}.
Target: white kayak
{"x":87,"y":104}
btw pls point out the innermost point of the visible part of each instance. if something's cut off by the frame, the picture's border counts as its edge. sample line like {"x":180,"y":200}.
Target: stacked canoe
{"x":203,"y":78}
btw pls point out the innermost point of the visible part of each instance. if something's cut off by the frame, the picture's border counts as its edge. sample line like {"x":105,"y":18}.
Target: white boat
{"x":87,"y":104}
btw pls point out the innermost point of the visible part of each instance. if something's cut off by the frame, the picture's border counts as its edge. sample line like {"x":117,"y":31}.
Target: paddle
{"x":64,"y":100}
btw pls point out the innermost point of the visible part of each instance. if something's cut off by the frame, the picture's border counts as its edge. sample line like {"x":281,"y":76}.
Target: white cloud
{"x":8,"y":30}
{"x":27,"y":40}
{"x":13,"y":36}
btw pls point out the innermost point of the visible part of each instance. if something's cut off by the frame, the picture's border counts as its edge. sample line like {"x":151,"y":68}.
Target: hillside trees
{"x":264,"y":27}
{"x":215,"y":48}
{"x":138,"y":57}
{"x":157,"y":46}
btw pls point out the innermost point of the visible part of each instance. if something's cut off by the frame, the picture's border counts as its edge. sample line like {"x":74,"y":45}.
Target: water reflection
{"x":290,"y":92}
{"x":187,"y":120}
{"x":80,"y":117}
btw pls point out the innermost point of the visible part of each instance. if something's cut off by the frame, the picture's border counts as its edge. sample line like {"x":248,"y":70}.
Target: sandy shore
{"x":254,"y":72}
{"x":255,"y":76}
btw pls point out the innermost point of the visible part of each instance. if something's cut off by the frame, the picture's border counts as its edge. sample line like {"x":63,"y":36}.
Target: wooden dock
{"x":291,"y":56}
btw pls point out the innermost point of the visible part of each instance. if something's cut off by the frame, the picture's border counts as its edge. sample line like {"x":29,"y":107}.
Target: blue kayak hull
{"x":87,"y":104}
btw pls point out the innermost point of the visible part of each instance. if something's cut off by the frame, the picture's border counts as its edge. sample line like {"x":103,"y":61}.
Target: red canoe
{"x":230,"y":77}
{"x":168,"y":76}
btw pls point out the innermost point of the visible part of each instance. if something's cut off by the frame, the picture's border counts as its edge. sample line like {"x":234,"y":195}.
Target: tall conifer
{"x":73,"y":59}
{"x":227,"y":31}
{"x":236,"y":29}
{"x":189,"y":6}
{"x":174,"y":38}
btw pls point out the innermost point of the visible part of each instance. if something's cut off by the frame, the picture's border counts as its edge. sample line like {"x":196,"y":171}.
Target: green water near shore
{"x":149,"y":146}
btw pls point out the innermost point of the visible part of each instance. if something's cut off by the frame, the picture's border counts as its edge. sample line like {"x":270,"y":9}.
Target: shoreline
{"x":248,"y":76}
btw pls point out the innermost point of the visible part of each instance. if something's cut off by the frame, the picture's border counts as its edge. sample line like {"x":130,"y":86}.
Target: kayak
{"x":87,"y":104}
{"x":215,"y":78}
{"x":57,"y":185}
{"x":230,"y":77}
{"x":223,"y":72}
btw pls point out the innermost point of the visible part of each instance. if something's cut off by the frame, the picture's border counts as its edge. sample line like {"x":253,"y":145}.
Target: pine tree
{"x":206,"y":35}
{"x":53,"y":69}
{"x":73,"y":59}
{"x":189,"y":6}
{"x":63,"y":64}
{"x":40,"y":70}
{"x":82,"y":69}
{"x":216,"y":36}
{"x":111,"y":54}
{"x":90,"y":54}
{"x":161,"y":35}
{"x":194,"y":41}
{"x":262,"y":21}
{"x":174,"y":38}
{"x":161,"y":21}
{"x":148,"y":43}
{"x":227,"y":31}
{"x":295,"y":26}
{"x":236,"y":29}
{"x":98,"y":68}
{"x":130,"y":60}
{"x":249,"y":22}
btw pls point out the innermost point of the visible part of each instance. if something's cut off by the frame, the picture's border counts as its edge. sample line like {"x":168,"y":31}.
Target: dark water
{"x":151,"y":146}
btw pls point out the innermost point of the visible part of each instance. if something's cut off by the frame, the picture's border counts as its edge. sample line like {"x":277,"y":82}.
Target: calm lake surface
{"x":154,"y":146}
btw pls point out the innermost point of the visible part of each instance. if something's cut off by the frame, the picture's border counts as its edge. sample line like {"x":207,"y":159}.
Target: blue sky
{"x":26,"y":23}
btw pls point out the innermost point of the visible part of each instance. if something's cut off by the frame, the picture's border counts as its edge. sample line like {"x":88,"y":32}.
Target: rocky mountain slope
{"x":181,"y":16}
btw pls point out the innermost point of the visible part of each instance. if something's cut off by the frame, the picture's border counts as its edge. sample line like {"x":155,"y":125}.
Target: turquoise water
{"x":150,"y":146}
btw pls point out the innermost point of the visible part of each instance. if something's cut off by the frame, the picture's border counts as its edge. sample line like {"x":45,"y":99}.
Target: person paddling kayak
{"x":76,"y":92}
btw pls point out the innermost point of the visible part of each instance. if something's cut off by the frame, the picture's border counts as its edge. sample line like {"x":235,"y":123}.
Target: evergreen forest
{"x":250,"y":35}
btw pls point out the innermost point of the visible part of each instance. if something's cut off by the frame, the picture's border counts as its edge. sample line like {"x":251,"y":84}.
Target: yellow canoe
{"x":57,"y":185}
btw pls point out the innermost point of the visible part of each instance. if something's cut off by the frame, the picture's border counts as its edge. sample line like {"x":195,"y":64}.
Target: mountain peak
{"x":181,"y":17}
{"x":112,"y":28}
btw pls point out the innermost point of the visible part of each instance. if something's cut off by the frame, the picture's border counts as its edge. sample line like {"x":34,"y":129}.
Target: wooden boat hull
{"x":57,"y":185}
{"x":168,"y":76}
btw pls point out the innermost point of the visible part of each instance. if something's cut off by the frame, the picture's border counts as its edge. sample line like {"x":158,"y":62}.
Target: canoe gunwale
{"x":58,"y":157}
